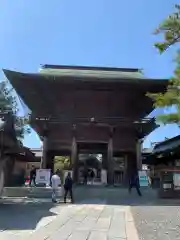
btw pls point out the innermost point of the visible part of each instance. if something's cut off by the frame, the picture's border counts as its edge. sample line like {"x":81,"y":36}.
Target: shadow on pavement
{"x":23,"y":216}
{"x":120,"y":196}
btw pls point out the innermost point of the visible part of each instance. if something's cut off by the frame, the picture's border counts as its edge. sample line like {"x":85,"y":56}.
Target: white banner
{"x":176,"y":180}
{"x":103,"y":176}
{"x":43,"y":176}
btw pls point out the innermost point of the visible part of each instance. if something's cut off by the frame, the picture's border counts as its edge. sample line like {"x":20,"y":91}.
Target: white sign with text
{"x":43,"y":176}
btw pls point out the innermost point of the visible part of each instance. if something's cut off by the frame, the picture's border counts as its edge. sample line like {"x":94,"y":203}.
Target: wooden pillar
{"x":74,"y":157}
{"x":50,"y":161}
{"x":44,"y":152}
{"x":139,"y":154}
{"x":110,"y":159}
{"x":125,"y":177}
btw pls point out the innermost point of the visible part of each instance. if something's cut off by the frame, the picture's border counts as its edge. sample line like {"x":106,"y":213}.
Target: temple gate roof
{"x":44,"y":92}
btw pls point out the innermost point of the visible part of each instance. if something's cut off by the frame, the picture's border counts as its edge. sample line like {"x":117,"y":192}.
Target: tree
{"x":170,"y":28}
{"x":62,"y":162}
{"x":8,"y":103}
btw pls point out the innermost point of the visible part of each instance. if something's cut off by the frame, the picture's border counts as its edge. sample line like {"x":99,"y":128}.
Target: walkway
{"x":71,"y":222}
{"x":99,"y":213}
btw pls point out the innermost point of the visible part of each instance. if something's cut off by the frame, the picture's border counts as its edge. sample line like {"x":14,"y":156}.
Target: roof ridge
{"x":78,"y":67}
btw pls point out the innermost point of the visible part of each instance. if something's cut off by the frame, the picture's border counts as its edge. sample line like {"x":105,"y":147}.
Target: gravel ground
{"x":157,"y":222}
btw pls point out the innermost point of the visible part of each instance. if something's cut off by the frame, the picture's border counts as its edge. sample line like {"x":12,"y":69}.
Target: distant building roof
{"x":37,"y":151}
{"x":167,"y":145}
{"x":147,"y":150}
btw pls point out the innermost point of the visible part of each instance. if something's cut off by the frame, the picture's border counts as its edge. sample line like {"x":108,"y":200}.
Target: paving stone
{"x":112,"y":238}
{"x":98,"y":236}
{"x":65,"y":231}
{"x":79,"y":235}
{"x":88,"y":224}
{"x":102,"y":224}
{"x":118,"y":227}
{"x":107,"y":212}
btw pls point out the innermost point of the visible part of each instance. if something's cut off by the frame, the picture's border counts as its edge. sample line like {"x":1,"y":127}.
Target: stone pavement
{"x":98,"y":213}
{"x":71,"y":222}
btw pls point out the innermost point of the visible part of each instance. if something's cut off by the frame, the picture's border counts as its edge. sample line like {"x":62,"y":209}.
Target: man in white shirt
{"x":55,"y":183}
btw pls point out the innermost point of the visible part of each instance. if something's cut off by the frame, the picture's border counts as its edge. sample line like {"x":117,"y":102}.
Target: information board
{"x":43,"y":176}
{"x":143,"y":178}
{"x":176,"y":180}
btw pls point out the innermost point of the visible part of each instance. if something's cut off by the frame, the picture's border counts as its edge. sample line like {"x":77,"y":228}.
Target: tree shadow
{"x":23,"y":216}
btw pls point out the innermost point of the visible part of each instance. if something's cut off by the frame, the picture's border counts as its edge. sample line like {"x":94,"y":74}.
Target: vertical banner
{"x":103,"y":176}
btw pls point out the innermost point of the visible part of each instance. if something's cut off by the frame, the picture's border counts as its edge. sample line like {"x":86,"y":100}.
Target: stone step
{"x":82,"y":192}
{"x":34,"y":192}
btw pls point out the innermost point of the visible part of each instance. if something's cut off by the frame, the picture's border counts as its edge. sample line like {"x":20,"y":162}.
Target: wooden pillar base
{"x":44,"y":153}
{"x":139,"y":155}
{"x":110,"y":172}
{"x":74,"y":159}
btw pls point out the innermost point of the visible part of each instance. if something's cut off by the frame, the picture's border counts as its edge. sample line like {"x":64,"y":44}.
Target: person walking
{"x":92,"y":175}
{"x":55,"y":184}
{"x":32,"y":176}
{"x":134,"y":182}
{"x":68,"y":187}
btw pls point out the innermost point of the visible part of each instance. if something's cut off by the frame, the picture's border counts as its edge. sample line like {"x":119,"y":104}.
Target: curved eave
{"x":75,"y":77}
{"x":146,"y":128}
{"x":33,"y":88}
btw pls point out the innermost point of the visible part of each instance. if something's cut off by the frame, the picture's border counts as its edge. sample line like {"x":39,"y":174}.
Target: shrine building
{"x":77,"y":110}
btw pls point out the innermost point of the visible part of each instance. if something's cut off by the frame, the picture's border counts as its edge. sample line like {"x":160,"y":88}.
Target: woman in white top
{"x":55,"y":184}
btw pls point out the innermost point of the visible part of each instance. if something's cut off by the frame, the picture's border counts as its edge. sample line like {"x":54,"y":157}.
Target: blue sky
{"x":97,"y":32}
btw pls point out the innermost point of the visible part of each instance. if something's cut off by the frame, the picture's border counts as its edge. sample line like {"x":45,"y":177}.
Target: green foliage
{"x":171,"y":97}
{"x":62,"y":162}
{"x":170,"y":28}
{"x":8,"y":103}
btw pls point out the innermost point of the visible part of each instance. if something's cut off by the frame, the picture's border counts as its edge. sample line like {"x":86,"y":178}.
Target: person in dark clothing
{"x":85,"y":176}
{"x":32,"y":176}
{"x":68,"y":187}
{"x":134,"y":182}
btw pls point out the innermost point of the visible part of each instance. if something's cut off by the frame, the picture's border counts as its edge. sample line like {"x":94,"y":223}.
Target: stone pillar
{"x":104,"y":161}
{"x":139,"y":154}
{"x":110,"y":159}
{"x":44,"y":152}
{"x":74,"y":157}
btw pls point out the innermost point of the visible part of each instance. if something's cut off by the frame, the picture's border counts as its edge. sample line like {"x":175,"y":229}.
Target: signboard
{"x":103,"y":176}
{"x":167,"y":186}
{"x":43,"y":176}
{"x":176,"y":180}
{"x":143,"y":178}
